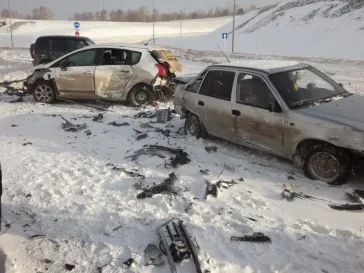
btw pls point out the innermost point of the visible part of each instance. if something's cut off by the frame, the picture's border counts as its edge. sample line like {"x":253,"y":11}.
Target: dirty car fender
{"x":300,"y":127}
{"x":41,"y":73}
{"x":140,"y":76}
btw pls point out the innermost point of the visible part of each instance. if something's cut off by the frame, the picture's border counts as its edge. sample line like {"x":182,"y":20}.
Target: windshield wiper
{"x":310,"y":102}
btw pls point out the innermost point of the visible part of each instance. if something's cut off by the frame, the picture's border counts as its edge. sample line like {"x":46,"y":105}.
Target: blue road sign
{"x":224,"y":35}
{"x":76,"y":24}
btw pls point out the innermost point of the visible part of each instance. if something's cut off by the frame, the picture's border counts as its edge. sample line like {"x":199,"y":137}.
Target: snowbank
{"x":307,"y":28}
{"x":25,"y":32}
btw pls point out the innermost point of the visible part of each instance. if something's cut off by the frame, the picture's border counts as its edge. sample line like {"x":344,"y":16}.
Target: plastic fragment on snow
{"x":141,"y":136}
{"x":166,"y":186}
{"x":36,"y":237}
{"x":211,"y":189}
{"x":164,"y":115}
{"x":128,"y":263}
{"x":69,"y":267}
{"x":179,"y":157}
{"x":69,"y":127}
{"x":20,"y":99}
{"x":257,"y":237}
{"x":288,"y":191}
{"x":98,"y":117}
{"x":153,"y":255}
{"x":177,"y":244}
{"x":226,"y":184}
{"x":211,"y":149}
{"x":114,"y":123}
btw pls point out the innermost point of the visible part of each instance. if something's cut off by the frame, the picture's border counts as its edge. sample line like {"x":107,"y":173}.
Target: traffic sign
{"x":76,"y":24}
{"x":224,"y":35}
{"x":77,"y":33}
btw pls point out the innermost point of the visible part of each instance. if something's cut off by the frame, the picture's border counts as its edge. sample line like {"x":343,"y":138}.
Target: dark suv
{"x":50,"y":48}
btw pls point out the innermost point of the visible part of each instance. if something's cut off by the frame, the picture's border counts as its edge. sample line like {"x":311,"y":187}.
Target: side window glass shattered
{"x":194,"y":86}
{"x":252,"y":90}
{"x":218,"y":84}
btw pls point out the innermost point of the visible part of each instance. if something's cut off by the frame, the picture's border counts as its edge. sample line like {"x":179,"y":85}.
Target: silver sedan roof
{"x":267,"y":66}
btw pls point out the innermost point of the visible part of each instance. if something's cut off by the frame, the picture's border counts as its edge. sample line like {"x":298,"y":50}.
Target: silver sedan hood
{"x":348,"y":111}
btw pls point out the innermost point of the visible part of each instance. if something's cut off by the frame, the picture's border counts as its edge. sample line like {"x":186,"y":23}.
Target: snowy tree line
{"x":41,"y":13}
{"x":143,"y":14}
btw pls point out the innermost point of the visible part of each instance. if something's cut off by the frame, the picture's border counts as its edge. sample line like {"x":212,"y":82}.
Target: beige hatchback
{"x":117,"y":72}
{"x":285,"y":108}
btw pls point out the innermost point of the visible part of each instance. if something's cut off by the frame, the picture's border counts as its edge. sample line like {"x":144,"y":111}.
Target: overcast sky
{"x":66,"y":8}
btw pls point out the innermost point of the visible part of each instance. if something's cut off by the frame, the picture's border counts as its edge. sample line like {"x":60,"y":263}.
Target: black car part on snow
{"x":257,"y":237}
{"x":166,"y":186}
{"x":179,"y":157}
{"x":177,"y":244}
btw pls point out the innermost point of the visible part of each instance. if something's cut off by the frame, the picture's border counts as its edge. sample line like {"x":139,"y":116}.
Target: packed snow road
{"x":70,"y":198}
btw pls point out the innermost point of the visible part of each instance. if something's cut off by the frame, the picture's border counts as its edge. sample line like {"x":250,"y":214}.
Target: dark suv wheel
{"x":44,"y":91}
{"x":327,"y":163}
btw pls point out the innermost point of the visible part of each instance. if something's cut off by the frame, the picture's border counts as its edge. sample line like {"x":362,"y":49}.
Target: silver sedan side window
{"x":252,"y":90}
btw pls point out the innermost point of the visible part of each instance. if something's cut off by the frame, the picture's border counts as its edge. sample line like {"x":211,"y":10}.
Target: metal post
{"x":11,"y":28}
{"x":233,"y":39}
{"x":180,"y":19}
{"x":153,"y":24}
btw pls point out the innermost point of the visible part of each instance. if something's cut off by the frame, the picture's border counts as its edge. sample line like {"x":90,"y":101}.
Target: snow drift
{"x":26,"y":32}
{"x":307,"y":28}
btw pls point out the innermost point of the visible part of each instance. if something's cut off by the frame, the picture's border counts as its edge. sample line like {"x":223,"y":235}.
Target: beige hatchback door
{"x":213,"y":103}
{"x":74,"y":77}
{"x":258,"y":116}
{"x":114,"y":73}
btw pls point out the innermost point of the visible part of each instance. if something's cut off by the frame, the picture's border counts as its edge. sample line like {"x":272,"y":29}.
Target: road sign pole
{"x":11,"y":27}
{"x":233,"y":39}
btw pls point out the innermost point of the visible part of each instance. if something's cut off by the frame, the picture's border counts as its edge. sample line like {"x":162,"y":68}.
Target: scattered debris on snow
{"x":152,"y":255}
{"x":257,"y":237}
{"x":69,"y":127}
{"x":166,"y":186}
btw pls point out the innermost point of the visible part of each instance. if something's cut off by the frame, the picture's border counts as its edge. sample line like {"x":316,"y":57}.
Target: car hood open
{"x":348,"y":111}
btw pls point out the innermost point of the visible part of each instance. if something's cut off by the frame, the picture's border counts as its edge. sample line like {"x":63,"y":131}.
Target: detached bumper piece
{"x":177,"y":244}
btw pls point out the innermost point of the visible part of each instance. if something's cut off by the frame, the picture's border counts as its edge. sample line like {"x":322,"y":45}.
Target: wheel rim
{"x":141,"y":97}
{"x":43,"y":93}
{"x":324,"y":166}
{"x":193,"y":126}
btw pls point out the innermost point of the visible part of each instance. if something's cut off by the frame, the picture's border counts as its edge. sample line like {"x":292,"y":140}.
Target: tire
{"x":194,"y":127}
{"x":44,"y":92}
{"x":140,"y":95}
{"x":31,"y":50}
{"x":327,"y":163}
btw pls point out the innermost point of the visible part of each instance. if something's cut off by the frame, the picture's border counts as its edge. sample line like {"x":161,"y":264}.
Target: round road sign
{"x":76,"y":24}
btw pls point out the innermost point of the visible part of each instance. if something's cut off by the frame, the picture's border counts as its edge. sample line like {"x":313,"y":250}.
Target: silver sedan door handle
{"x":124,"y":71}
{"x":87,"y":72}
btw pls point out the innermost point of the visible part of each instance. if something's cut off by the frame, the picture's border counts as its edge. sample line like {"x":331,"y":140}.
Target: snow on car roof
{"x":264,"y":65}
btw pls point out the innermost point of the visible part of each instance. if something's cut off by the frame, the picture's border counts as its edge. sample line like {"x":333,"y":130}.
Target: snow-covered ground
{"x":309,"y":28}
{"x":61,"y":186}
{"x":26,"y":32}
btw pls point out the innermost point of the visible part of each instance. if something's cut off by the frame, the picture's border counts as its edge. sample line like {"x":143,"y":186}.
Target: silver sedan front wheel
{"x":44,"y":92}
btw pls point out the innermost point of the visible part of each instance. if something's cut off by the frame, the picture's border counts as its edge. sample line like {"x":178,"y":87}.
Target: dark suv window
{"x":59,"y":45}
{"x":218,"y":84}
{"x":43,"y":44}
